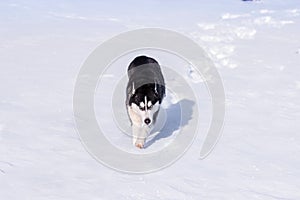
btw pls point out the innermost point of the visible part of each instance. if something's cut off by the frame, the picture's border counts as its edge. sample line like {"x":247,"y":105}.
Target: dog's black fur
{"x":145,"y":79}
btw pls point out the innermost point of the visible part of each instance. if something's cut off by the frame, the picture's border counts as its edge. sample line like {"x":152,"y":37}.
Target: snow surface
{"x":255,"y":46}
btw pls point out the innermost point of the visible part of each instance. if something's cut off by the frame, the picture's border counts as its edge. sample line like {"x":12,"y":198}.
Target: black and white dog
{"x":144,"y":94}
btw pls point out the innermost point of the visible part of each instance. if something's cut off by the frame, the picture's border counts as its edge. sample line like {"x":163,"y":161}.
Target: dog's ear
{"x":132,"y":89}
{"x":155,"y":88}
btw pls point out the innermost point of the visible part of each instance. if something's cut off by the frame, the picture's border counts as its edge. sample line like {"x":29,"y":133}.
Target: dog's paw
{"x":138,"y":142}
{"x":139,"y":145}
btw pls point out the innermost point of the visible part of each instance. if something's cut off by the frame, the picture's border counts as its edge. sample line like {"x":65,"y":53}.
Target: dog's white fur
{"x":140,"y":130}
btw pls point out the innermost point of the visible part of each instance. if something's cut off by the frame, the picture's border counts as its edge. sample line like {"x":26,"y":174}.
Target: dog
{"x":144,"y":94}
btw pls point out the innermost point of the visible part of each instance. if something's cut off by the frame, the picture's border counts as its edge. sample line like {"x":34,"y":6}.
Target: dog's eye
{"x":142,"y":108}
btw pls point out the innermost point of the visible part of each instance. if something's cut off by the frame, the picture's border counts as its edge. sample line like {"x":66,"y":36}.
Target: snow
{"x":255,"y":46}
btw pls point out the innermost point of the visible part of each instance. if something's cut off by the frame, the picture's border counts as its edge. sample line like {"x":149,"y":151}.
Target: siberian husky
{"x":144,"y":94}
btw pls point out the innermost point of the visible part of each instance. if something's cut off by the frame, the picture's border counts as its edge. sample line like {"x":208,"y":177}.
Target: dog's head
{"x":145,"y":103}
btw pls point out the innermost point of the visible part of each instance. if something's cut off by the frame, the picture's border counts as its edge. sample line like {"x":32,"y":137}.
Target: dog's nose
{"x":147,"y":121}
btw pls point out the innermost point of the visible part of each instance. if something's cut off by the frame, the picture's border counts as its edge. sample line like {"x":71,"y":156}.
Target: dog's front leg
{"x":139,"y":134}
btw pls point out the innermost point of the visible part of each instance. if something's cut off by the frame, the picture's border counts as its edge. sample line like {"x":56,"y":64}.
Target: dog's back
{"x":144,"y":74}
{"x":141,"y":60}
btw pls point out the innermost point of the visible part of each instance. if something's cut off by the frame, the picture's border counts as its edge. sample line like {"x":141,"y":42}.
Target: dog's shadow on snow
{"x":178,"y":115}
